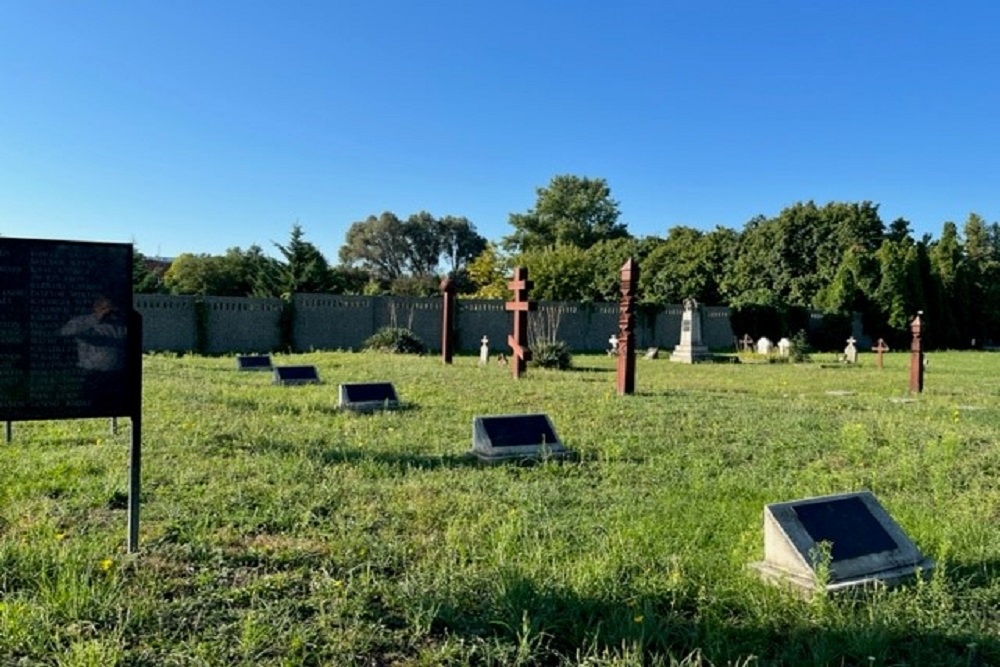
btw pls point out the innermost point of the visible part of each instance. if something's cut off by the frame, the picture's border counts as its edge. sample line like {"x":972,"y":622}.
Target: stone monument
{"x":690,"y":348}
{"x":851,"y":352}
{"x":764,"y":346}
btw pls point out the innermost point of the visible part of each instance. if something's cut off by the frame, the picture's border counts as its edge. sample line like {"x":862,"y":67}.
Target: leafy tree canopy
{"x":571,"y":210}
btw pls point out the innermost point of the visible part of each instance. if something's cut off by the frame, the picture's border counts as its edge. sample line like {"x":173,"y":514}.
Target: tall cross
{"x":879,"y":349}
{"x":917,"y":355}
{"x":447,"y":319}
{"x":626,"y":328}
{"x":518,"y":340}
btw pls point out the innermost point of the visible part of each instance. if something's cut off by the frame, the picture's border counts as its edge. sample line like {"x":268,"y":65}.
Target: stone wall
{"x":220,"y":325}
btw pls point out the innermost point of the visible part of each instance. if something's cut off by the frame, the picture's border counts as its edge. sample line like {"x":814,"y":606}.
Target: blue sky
{"x":197,"y":126}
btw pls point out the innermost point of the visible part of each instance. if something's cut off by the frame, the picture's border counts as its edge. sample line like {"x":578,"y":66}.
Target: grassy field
{"x":278,"y":531}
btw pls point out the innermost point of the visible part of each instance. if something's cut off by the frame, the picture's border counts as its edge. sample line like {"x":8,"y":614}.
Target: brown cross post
{"x":447,"y":319}
{"x":879,"y":349}
{"x":518,"y":340}
{"x":626,"y":328}
{"x":917,"y":355}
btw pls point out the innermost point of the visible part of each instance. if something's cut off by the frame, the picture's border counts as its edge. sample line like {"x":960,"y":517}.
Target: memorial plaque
{"x":253,"y":362}
{"x":291,"y":375}
{"x":506,"y":437}
{"x":65,"y":308}
{"x":70,"y":341}
{"x":852,"y":532}
{"x":368,"y":396}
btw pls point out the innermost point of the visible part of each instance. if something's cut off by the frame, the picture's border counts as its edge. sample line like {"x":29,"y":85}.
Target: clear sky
{"x":195,"y":126}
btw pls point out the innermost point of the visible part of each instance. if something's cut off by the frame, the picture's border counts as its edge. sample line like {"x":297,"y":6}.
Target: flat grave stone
{"x":368,"y":396}
{"x":253,"y":362}
{"x":497,"y":438}
{"x":902,"y":400}
{"x":293,"y":375}
{"x":652,"y":353}
{"x":839,"y":392}
{"x":861,"y":544}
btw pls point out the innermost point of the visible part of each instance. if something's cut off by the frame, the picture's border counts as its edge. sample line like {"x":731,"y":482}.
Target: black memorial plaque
{"x":367,"y":392}
{"x":518,"y":430}
{"x":847,"y":524}
{"x":253,"y":362}
{"x":296,"y":375}
{"x":68,"y":347}
{"x":368,"y":396}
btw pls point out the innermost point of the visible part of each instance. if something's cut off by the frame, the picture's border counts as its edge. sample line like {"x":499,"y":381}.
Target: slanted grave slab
{"x":293,"y":375}
{"x":497,"y":438}
{"x":368,"y":396}
{"x":253,"y":362}
{"x":849,"y":535}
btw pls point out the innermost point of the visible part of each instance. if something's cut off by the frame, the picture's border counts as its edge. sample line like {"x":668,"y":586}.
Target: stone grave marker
{"x":484,"y":351}
{"x":499,"y":438}
{"x":690,"y":349}
{"x":850,"y":533}
{"x":253,"y":362}
{"x":293,"y":375}
{"x":764,"y":346}
{"x":851,"y":352}
{"x":368,"y":396}
{"x":746,"y":343}
{"x":613,"y":346}
{"x":784,"y":347}
{"x":652,"y":353}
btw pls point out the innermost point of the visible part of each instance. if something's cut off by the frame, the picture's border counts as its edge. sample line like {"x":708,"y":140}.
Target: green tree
{"x":147,"y":278}
{"x":489,"y":272}
{"x":572,"y":210}
{"x":561,"y":273}
{"x":202,"y":274}
{"x":305,"y":269}
{"x":460,"y":243}
{"x":378,"y":245}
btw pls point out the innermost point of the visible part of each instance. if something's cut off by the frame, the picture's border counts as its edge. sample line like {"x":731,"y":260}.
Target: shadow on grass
{"x":558,"y":624}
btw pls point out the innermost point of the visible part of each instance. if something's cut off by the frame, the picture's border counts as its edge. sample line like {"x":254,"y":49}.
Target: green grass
{"x":279,"y":531}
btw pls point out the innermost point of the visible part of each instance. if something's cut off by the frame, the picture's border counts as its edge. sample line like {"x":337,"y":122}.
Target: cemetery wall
{"x":169,"y":323}
{"x":241,"y":325}
{"x":219,"y":325}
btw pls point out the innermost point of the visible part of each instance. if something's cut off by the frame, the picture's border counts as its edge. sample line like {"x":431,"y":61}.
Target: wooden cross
{"x":448,"y":290}
{"x":879,"y":349}
{"x":518,"y":340}
{"x":626,"y":328}
{"x":917,"y":355}
{"x":746,"y":343}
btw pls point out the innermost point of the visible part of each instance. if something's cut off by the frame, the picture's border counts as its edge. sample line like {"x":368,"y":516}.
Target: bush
{"x":396,"y":340}
{"x":800,"y":349}
{"x":552,"y":355}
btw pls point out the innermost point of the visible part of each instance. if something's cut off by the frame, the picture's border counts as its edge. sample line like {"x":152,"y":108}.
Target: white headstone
{"x":613,"y":342}
{"x":851,"y":352}
{"x":764,"y":345}
{"x":784,"y":347}
{"x":484,"y":351}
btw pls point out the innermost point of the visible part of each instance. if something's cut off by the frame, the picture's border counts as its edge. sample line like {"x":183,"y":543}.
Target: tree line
{"x":837,"y":258}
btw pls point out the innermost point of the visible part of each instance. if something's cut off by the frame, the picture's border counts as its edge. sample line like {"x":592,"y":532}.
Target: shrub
{"x":800,"y":349}
{"x":396,"y":340}
{"x":554,"y":354}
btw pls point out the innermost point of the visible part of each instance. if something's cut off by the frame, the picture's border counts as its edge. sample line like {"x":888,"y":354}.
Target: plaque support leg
{"x":9,"y":429}
{"x":134,"y":483}
{"x":114,"y":426}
